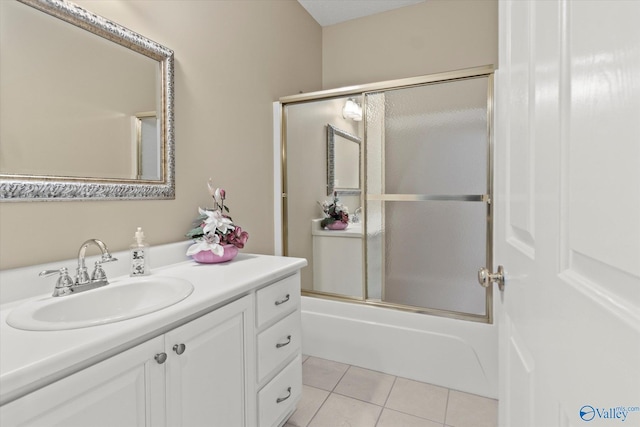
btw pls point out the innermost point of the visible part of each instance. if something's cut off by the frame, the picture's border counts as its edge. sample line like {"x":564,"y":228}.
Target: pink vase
{"x":208,"y":257}
{"x":337,"y":225}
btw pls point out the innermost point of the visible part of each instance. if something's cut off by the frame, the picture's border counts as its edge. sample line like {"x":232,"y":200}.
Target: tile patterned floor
{"x":339,"y":395}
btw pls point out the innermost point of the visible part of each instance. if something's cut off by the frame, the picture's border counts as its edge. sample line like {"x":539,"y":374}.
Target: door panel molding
{"x":520,"y":150}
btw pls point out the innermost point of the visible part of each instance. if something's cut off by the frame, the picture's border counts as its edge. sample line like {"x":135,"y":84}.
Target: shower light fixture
{"x":352,"y":110}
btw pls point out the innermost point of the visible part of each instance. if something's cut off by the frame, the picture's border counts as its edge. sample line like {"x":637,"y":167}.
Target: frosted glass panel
{"x":374,"y":242}
{"x":436,"y":138}
{"x":432,"y":254}
{"x":427,"y":140}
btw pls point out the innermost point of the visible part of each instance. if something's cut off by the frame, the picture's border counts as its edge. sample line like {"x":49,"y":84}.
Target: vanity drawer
{"x":278,"y":299}
{"x":278,"y":343}
{"x":281,"y":394}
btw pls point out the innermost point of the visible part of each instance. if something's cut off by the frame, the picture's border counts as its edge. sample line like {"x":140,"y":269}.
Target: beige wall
{"x":430,"y":37}
{"x":233,"y":59}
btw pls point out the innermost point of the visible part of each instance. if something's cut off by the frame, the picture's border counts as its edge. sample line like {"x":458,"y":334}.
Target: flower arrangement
{"x":334,"y":212}
{"x":214,"y":228}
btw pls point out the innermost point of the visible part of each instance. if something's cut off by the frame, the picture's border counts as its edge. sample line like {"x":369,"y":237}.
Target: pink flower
{"x":237,"y":237}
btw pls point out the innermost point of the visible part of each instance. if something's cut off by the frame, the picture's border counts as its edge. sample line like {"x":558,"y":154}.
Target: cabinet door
{"x":124,"y":390}
{"x":207,"y":381}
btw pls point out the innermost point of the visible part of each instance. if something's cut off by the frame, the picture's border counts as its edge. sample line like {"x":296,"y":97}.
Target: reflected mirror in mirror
{"x":86,"y":106}
{"x":148,"y":148}
{"x":343,"y":162}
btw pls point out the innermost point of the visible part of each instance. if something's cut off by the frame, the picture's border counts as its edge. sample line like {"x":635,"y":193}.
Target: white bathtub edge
{"x":456,"y":354}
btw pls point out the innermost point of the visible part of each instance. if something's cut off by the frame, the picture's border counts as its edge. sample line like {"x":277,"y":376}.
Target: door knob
{"x":485,"y":278}
{"x":179,"y":348}
{"x":161,"y":358}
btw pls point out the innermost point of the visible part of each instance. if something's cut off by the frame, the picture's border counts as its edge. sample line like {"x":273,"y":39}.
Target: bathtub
{"x":456,"y":354}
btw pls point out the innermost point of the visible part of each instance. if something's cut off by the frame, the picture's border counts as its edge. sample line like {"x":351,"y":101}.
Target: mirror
{"x":343,"y":162}
{"x":86,"y":107}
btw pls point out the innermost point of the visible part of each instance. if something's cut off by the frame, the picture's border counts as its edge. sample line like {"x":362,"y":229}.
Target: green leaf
{"x":195,"y":232}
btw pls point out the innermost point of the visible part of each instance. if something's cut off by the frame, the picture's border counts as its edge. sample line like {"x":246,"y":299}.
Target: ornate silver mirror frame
{"x":332,"y":133}
{"x":47,"y":188}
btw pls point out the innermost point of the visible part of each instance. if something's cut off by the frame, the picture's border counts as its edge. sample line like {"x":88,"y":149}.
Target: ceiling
{"x":329,"y":12}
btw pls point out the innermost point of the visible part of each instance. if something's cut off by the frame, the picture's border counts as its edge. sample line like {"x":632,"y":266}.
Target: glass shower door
{"x":427,"y":196}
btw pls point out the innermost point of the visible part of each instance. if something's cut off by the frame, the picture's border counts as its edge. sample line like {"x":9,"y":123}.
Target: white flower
{"x":208,"y":243}
{"x":216,"y":221}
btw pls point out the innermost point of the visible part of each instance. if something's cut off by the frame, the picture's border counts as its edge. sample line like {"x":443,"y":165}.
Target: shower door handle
{"x":485,"y":278}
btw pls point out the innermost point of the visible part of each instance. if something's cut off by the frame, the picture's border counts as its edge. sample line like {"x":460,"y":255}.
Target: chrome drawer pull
{"x":278,"y":345}
{"x":161,"y":358}
{"x":282,"y":301}
{"x":282,"y":399}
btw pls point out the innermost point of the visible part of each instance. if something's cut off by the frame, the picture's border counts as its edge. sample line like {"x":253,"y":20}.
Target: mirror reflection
{"x":343,"y":162}
{"x":86,"y":106}
{"x":148,"y":147}
{"x":69,"y":98}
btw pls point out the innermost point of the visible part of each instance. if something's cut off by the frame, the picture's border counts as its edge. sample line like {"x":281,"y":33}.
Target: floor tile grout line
{"x":446,"y":406}
{"x":317,"y":410}
{"x":341,"y":377}
{"x":384,"y":405}
{"x":379,"y":415}
{"x":395,"y":378}
{"x":414,"y":415}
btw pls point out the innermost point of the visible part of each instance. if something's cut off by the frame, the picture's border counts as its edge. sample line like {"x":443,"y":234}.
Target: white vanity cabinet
{"x":207,"y":383}
{"x":228,"y":355}
{"x":125,"y":390}
{"x":278,"y":350}
{"x":193,"y":375}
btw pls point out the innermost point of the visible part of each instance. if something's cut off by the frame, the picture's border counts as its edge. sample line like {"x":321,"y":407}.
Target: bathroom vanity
{"x":226,"y":355}
{"x":338,"y":261}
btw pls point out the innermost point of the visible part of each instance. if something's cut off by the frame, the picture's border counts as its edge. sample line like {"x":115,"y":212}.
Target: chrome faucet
{"x":98,"y":277}
{"x":66,"y":286}
{"x":356,"y":215}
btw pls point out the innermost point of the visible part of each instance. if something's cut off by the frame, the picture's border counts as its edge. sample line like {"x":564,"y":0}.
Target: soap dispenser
{"x":139,"y":255}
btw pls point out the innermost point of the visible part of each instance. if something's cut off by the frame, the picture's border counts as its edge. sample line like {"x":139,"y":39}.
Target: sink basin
{"x":120,"y":300}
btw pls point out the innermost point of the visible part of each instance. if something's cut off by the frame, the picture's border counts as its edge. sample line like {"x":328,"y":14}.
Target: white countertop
{"x":32,"y":359}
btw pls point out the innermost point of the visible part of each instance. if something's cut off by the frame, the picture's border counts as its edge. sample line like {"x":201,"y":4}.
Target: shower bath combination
{"x":424,"y":194}
{"x":422,"y":157}
{"x":401,"y":293}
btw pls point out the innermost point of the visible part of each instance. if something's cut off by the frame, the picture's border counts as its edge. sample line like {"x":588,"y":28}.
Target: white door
{"x":567,"y":226}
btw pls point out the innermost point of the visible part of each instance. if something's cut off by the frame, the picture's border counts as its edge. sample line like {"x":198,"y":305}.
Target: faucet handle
{"x":47,"y":273}
{"x":64,"y":283}
{"x":99,"y":273}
